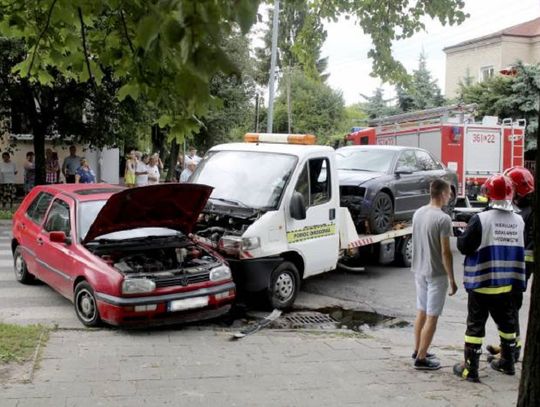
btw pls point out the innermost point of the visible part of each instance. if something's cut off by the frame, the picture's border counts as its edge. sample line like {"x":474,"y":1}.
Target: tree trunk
{"x":39,"y":152}
{"x":173,"y":156}
{"x":529,"y":387}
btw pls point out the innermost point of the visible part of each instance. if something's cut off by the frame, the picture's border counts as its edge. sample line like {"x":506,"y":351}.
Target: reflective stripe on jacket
{"x":499,"y":256}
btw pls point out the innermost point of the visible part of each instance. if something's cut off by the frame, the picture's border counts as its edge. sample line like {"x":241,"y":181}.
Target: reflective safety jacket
{"x":494,"y":248}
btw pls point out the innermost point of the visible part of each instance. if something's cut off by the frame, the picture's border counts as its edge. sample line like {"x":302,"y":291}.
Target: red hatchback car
{"x":121,"y":255}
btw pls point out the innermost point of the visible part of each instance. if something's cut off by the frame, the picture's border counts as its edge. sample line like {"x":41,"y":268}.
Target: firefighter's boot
{"x":505,"y":363}
{"x":493,"y":349}
{"x":468,"y":370}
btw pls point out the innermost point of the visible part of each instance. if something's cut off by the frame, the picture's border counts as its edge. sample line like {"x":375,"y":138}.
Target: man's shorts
{"x":431,"y":294}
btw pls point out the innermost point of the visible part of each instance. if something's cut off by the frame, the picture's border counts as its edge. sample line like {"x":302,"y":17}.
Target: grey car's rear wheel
{"x":381,"y":216}
{"x":19,"y":266}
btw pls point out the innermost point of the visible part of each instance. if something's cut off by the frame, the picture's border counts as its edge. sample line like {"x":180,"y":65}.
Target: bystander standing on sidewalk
{"x":8,"y":170}
{"x":153,"y":170}
{"x":52,"y":167}
{"x":71,"y":164}
{"x":85,"y":174}
{"x":29,"y":172}
{"x":433,"y":269}
{"x":141,"y":170}
{"x":186,"y":173}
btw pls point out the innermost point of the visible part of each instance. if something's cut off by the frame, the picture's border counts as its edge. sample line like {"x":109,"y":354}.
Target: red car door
{"x":56,"y":258}
{"x":28,"y":226}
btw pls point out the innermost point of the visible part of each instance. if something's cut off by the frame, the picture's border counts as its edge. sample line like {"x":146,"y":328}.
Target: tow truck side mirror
{"x":298,"y":207}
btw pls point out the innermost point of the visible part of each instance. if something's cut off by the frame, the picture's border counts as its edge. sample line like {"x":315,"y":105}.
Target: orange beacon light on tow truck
{"x":305,"y":139}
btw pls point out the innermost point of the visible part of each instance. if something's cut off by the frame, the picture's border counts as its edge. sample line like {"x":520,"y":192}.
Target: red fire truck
{"x":475,"y":150}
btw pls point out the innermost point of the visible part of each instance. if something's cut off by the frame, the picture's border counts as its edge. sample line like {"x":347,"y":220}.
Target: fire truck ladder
{"x":427,"y":114}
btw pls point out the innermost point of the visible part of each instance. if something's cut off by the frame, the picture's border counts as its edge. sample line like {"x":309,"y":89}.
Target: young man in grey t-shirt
{"x":433,"y":269}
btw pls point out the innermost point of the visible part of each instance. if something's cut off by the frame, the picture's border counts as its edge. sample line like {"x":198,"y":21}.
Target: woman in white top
{"x":153,"y":170}
{"x":7,"y":172}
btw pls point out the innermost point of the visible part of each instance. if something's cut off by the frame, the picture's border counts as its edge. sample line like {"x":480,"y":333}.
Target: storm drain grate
{"x":308,"y":320}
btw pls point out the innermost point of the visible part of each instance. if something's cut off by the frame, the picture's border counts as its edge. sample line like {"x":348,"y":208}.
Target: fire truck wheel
{"x":284,"y":286}
{"x":381,"y":216}
{"x":404,"y":252}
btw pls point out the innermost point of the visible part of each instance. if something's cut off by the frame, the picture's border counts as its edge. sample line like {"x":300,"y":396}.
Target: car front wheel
{"x":381,"y":216}
{"x":86,"y":305}
{"x":19,"y":265}
{"x":284,"y":286}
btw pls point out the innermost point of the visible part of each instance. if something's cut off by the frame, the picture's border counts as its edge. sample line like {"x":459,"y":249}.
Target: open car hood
{"x":173,"y":206}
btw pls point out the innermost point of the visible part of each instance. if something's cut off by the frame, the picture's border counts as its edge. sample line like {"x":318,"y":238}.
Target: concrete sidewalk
{"x":202,"y":367}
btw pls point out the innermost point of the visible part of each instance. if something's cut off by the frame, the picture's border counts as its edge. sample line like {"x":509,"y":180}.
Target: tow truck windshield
{"x":249,"y":179}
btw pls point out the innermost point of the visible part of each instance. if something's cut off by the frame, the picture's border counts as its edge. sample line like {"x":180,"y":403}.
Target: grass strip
{"x":18,"y":343}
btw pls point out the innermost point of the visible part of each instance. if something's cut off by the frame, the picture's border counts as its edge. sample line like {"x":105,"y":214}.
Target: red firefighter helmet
{"x":522,"y":179}
{"x":500,"y":191}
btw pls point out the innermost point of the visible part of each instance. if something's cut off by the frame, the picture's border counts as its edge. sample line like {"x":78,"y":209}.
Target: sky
{"x":347,"y":46}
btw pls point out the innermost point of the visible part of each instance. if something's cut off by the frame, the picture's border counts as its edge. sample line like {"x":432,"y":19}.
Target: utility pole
{"x":275,"y":26}
{"x":257,"y":113}
{"x":289,"y":118}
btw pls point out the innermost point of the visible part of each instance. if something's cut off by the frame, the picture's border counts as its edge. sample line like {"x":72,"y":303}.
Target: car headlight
{"x":137,"y":286}
{"x":220,"y":273}
{"x":251,"y":243}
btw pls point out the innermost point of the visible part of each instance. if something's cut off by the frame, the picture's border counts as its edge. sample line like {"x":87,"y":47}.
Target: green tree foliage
{"x":85,"y":113}
{"x":508,"y":96}
{"x":233,"y":116}
{"x":377,"y":106}
{"x":300,"y":38}
{"x":315,"y":107}
{"x":421,"y":92}
{"x":388,"y":21}
{"x":158,"y":49}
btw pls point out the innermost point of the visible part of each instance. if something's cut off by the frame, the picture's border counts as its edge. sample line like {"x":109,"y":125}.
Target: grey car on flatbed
{"x":383,"y":184}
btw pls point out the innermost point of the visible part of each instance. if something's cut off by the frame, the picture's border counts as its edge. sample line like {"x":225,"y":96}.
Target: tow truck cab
{"x":274,"y":213}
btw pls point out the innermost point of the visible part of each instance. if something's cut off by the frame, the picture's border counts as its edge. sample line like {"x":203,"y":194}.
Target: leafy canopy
{"x":164,"y":51}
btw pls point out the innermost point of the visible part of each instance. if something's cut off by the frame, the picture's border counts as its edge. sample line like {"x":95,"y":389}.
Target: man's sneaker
{"x":428,"y":355}
{"x":427,"y":364}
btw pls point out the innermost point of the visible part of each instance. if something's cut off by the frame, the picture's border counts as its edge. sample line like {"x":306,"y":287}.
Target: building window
{"x":486,"y":72}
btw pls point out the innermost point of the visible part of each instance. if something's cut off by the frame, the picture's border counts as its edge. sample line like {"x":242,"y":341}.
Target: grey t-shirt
{"x":429,"y":225}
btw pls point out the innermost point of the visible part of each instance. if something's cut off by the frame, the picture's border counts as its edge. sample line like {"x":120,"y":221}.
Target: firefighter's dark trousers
{"x":502,"y":310}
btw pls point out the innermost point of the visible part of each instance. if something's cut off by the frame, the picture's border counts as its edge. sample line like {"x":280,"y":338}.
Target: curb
{"x":5,"y":222}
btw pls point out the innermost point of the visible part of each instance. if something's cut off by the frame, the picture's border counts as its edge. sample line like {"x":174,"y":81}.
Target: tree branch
{"x":126,"y":34}
{"x":41,"y":34}
{"x":85,"y":50}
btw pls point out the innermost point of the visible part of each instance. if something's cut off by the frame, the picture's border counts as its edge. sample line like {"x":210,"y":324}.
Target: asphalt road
{"x":383,"y":289}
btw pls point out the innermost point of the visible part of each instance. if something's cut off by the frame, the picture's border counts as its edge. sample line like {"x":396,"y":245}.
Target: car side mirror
{"x":59,"y":237}
{"x":297,"y":206}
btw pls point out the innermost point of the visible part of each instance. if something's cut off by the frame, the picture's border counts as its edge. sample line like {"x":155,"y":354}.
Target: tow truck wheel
{"x":86,"y":305}
{"x":284,"y":286}
{"x":404,"y":254}
{"x":381,"y":216}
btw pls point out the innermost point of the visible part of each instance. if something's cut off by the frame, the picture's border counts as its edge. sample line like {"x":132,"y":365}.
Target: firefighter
{"x":494,"y":262}
{"x":523,"y":182}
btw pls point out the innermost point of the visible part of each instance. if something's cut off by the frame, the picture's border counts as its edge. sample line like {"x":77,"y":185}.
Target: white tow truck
{"x":275,"y":214}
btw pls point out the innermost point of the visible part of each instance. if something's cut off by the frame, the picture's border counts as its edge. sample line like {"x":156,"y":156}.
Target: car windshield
{"x":245,"y":178}
{"x":88,"y":212}
{"x":364,"y":159}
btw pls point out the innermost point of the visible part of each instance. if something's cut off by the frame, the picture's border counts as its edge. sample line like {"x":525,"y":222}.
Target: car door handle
{"x":21,"y":226}
{"x":332,"y":214}
{"x":40,"y":241}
